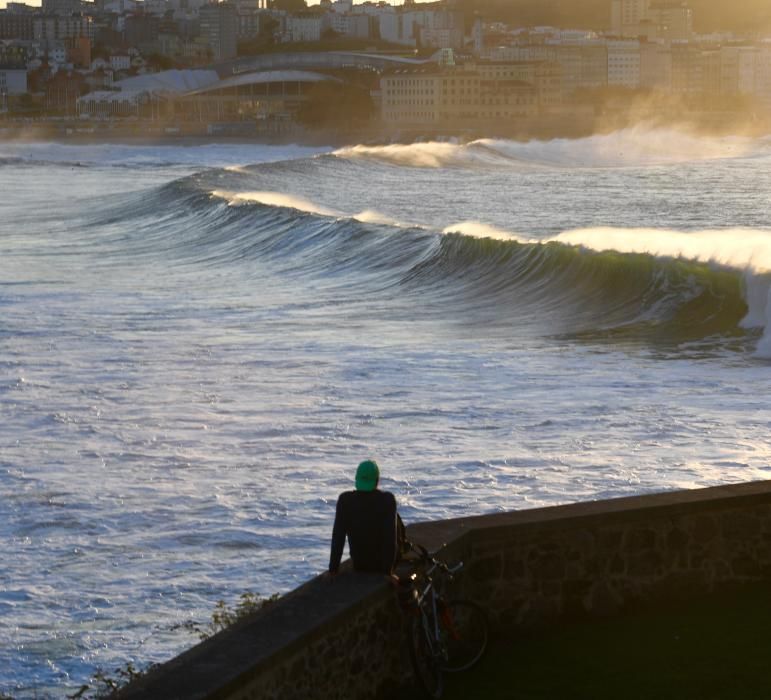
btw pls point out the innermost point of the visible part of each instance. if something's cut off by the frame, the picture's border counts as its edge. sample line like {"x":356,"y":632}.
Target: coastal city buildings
{"x":454,"y":70}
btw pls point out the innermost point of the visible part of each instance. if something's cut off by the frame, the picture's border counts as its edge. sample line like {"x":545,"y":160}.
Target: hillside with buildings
{"x":371,"y":70}
{"x":749,"y":16}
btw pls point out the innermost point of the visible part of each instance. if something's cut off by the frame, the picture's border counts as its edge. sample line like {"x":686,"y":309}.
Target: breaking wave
{"x":635,"y":146}
{"x":593,"y":283}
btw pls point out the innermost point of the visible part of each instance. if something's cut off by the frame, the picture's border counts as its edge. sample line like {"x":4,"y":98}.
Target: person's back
{"x":367,"y":517}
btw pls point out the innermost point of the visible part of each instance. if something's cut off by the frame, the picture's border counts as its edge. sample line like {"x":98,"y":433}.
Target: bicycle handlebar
{"x":430,"y":558}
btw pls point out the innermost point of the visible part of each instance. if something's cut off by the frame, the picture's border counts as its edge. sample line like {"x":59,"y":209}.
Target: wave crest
{"x":634,"y":146}
{"x":641,"y":283}
{"x":275,"y":199}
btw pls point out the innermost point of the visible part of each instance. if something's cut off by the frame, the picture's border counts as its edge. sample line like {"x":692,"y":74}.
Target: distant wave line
{"x":634,"y":146}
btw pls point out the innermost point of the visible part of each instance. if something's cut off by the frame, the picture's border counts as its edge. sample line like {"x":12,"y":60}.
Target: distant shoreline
{"x":560,"y":126}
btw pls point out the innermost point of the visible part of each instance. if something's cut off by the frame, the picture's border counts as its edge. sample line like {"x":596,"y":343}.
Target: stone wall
{"x":597,"y":559}
{"x":326,"y":639}
{"x":345,"y":639}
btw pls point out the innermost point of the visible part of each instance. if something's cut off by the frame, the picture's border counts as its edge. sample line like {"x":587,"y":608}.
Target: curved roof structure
{"x":316,"y":59}
{"x":178,"y":81}
{"x":261,"y":77}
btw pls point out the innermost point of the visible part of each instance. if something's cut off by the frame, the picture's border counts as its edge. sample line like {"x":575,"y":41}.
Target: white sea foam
{"x":291,"y":201}
{"x":634,"y":146}
{"x":740,"y":248}
{"x":638,"y":145}
{"x":433,"y":154}
{"x":370,"y":216}
{"x":759,"y":301}
{"x":276,"y":199}
{"x":764,"y":347}
{"x":757,"y":295}
{"x":743,"y":249}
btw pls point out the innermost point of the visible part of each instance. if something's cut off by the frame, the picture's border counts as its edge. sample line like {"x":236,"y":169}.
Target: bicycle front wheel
{"x":425,"y":663}
{"x":465,"y":633}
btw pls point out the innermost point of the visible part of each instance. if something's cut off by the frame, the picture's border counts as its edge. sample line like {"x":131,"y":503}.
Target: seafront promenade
{"x":536,"y":571}
{"x":540,"y":129}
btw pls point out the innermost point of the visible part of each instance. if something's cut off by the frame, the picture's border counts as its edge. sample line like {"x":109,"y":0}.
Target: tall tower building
{"x":673,"y":20}
{"x":219,"y":26}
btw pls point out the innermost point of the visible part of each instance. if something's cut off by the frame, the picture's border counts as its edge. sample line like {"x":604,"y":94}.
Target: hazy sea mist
{"x":198,"y":345}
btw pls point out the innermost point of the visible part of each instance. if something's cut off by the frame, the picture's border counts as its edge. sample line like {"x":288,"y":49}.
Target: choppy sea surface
{"x":199,"y":344}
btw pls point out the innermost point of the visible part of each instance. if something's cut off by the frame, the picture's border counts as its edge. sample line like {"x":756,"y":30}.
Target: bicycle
{"x":445,"y":635}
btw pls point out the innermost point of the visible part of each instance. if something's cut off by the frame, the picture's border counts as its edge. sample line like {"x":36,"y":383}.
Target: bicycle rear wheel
{"x":428,"y":672}
{"x":465,"y":633}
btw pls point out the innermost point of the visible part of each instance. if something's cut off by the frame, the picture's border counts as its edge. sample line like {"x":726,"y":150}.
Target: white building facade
{"x":306,"y":27}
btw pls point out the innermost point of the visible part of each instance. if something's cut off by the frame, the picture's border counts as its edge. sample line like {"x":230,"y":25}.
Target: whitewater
{"x":198,"y":344}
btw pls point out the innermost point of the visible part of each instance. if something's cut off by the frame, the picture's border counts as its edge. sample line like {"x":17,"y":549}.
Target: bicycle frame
{"x":433,"y":636}
{"x":437,"y":644}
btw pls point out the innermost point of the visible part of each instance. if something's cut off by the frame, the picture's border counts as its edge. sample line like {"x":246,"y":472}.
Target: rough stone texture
{"x":595,"y":563}
{"x":325,"y":639}
{"x":346,"y":639}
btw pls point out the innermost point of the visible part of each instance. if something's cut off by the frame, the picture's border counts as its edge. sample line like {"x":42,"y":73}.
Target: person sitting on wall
{"x":368,"y":518}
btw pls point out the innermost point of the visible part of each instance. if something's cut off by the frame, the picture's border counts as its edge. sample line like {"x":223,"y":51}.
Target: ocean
{"x":198,"y":344}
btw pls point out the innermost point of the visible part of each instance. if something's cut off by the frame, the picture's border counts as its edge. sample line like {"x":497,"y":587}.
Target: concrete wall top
{"x":618,"y":509}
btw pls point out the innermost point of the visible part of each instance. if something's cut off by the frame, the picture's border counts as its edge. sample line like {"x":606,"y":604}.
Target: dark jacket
{"x":368,"y":519}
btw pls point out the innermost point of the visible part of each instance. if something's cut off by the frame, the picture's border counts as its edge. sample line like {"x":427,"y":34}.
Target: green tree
{"x":159,"y":62}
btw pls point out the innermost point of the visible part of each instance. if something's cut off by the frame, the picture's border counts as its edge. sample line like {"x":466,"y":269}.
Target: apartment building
{"x":456,"y":97}
{"x":656,"y":66}
{"x":429,"y":96}
{"x":16,"y":26}
{"x":20,"y":8}
{"x":654,"y":19}
{"x":762,"y":81}
{"x":673,"y":21}
{"x":355,"y":25}
{"x":13,"y":81}
{"x":584,"y":66}
{"x":409,"y":25}
{"x":61,"y":7}
{"x":627,"y":15}
{"x":13,"y":54}
{"x":624,"y":64}
{"x":575,"y":66}
{"x":53,"y":28}
{"x":219,"y":30}
{"x":306,"y":26}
